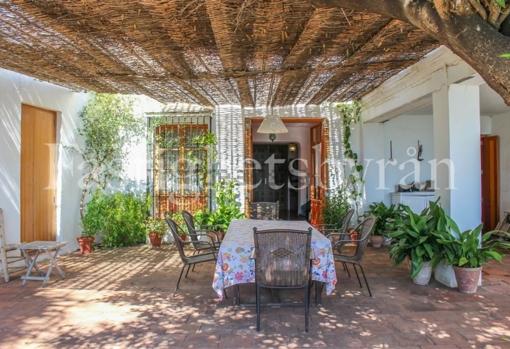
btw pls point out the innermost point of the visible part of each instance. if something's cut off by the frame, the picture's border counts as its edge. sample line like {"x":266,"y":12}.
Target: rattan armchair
{"x":265,"y":210}
{"x":364,"y":229}
{"x":188,"y":261}
{"x":282,"y":261}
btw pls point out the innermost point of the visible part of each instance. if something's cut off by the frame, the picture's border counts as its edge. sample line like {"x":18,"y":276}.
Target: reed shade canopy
{"x":208,"y":52}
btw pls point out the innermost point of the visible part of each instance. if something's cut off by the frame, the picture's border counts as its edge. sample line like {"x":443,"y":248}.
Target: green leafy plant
{"x":388,"y":217}
{"x":413,"y":239}
{"x":156,"y":225}
{"x":227,"y":206}
{"x":505,"y":55}
{"x":336,"y":206}
{"x":108,"y":125}
{"x":469,"y":249}
{"x":119,"y":218}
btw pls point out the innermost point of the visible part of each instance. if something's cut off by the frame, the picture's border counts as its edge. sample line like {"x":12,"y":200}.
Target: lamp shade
{"x":272,"y":124}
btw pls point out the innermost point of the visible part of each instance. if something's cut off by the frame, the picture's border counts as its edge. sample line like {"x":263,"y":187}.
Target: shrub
{"x":119,"y":218}
{"x":388,"y":217}
{"x":337,"y":205}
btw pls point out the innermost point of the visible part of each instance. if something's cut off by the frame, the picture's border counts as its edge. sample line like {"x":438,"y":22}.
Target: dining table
{"x":235,"y":264}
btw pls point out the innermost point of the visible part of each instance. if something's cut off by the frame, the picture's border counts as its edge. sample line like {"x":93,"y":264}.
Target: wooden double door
{"x":38,"y":174}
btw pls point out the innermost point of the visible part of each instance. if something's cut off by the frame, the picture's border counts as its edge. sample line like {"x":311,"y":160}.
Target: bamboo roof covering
{"x":208,"y":52}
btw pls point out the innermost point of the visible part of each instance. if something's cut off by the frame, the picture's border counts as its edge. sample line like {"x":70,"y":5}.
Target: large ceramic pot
{"x":86,"y":244}
{"x":376,"y":241}
{"x":467,"y":279}
{"x":423,"y":277}
{"x":155,"y":239}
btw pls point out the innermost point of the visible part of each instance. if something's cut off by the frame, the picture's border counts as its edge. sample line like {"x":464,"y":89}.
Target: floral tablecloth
{"x":235,"y":265}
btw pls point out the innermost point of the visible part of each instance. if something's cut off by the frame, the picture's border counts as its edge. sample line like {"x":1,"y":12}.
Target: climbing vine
{"x":351,"y":115}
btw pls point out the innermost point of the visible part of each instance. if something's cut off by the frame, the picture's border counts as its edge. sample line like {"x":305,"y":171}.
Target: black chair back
{"x":189,"y":220}
{"x":364,"y":229}
{"x":179,"y":243}
{"x":282,"y":258}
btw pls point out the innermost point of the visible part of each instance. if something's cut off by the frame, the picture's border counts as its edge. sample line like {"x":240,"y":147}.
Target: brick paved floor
{"x":124,"y":298}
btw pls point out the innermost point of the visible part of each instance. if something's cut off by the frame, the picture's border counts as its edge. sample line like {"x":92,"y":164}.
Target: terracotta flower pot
{"x":377,"y":241}
{"x":86,"y":244}
{"x":155,"y":239}
{"x":467,"y":279}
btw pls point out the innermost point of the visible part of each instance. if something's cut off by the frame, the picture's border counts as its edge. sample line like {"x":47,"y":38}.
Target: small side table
{"x":31,"y":252}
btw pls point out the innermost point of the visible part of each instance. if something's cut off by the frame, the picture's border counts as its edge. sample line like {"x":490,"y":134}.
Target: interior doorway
{"x":490,"y":181}
{"x":273,"y":179}
{"x":300,"y":196}
{"x":38,"y":174}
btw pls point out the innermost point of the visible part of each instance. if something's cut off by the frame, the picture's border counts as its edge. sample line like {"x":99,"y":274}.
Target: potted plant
{"x":386,"y":216}
{"x":468,"y":251}
{"x":413,"y":240}
{"x":86,"y":243}
{"x":156,"y":228}
{"x":92,"y":222}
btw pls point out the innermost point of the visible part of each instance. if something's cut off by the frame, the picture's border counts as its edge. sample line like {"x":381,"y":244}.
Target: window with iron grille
{"x":179,"y":168}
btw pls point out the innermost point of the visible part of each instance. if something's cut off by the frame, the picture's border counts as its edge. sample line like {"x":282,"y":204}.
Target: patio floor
{"x":124,"y":298}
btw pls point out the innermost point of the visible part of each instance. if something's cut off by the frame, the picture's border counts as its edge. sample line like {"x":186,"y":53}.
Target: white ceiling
{"x":490,"y":103}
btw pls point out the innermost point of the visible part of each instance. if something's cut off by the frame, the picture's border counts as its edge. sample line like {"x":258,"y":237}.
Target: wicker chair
{"x":188,"y":261}
{"x":365,"y":229}
{"x":264,"y":210}
{"x":503,"y":225}
{"x":282,"y":261}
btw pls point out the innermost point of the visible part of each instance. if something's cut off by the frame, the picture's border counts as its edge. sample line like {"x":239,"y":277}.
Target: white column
{"x":457,"y":140}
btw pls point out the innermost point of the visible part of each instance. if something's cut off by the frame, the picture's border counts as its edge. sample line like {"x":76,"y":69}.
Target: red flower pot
{"x":86,"y":244}
{"x":155,"y":239}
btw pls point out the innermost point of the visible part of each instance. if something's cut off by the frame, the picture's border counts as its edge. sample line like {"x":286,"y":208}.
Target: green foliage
{"x":501,"y":3}
{"x":156,"y":225}
{"x":118,"y":218}
{"x":388,"y":217}
{"x":337,"y":205}
{"x":413,"y":239}
{"x":505,"y":55}
{"x":108,"y":125}
{"x":227,"y":207}
{"x":351,"y":115}
{"x":468,"y":249}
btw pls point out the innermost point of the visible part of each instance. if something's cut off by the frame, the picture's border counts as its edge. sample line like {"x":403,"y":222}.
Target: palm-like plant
{"x":413,"y":239}
{"x":469,"y":249}
{"x":387,"y":217}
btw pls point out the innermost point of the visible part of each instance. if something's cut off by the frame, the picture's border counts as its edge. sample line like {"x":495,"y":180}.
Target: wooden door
{"x":319,"y":138}
{"x":490,"y":181}
{"x":38,"y":174}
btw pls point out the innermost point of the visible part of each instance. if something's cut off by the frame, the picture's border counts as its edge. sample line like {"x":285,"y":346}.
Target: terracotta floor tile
{"x":124,"y":298}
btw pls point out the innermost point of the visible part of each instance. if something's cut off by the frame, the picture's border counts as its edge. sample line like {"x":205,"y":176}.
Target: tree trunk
{"x":463,"y":30}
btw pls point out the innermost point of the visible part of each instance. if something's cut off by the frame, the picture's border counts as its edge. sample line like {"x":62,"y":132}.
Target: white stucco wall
{"x":404,"y":131}
{"x":16,"y":89}
{"x":501,"y":127}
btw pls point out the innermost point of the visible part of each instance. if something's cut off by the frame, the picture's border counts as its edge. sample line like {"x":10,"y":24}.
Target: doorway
{"x":38,"y":174}
{"x":273,"y":179}
{"x":490,"y":181}
{"x":310,"y":163}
